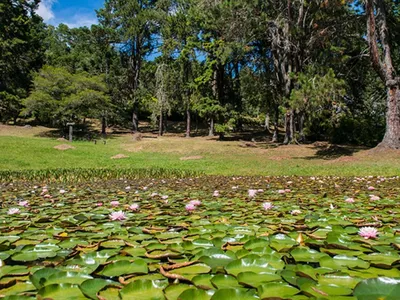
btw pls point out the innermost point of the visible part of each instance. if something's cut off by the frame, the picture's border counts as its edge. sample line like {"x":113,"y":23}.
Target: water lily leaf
{"x":63,"y":291}
{"x":234,"y":294}
{"x":124,"y":267}
{"x":142,"y":290}
{"x":12,"y":270}
{"x":315,"y":289}
{"x":250,"y":264}
{"x":193,"y":269}
{"x":340,"y":279}
{"x":203,"y":280}
{"x":254,"y":280}
{"x":66,"y":277}
{"x":378,"y":288}
{"x":279,"y":290}
{"x":384,"y":260}
{"x":192,"y":294}
{"x":281,"y":242}
{"x":221,"y":281}
{"x":306,"y":255}
{"x":91,"y":287}
{"x":172,"y":292}
{"x":39,"y":277}
{"x":339,"y":262}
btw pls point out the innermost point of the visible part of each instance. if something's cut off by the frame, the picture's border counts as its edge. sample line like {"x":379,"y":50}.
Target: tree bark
{"x":266,"y":124}
{"x":276,"y":124}
{"x":383,"y":65}
{"x":288,"y":127}
{"x":302,"y":137}
{"x":161,"y":124}
{"x":211,"y":130}
{"x":187,"y":123}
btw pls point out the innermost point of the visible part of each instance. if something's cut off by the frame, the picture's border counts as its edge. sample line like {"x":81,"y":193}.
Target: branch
{"x":372,"y":39}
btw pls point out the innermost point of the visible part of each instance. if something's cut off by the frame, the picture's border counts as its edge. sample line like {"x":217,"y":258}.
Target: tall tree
{"x":21,"y":48}
{"x":131,"y":25}
{"x":380,"y":48}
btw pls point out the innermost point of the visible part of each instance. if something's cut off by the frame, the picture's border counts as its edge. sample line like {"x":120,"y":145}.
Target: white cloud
{"x":45,"y":10}
{"x":80,"y":20}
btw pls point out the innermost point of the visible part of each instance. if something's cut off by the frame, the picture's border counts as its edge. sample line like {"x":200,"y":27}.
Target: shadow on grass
{"x":332,"y":151}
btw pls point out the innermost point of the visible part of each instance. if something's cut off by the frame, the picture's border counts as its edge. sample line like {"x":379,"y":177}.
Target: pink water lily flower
{"x":47,"y":196}
{"x":374,"y":198}
{"x":252,"y":193}
{"x":99,"y":204}
{"x":164,"y":197}
{"x":281,"y":191}
{"x":267,"y":205}
{"x":134,"y":206}
{"x":216,"y":194}
{"x":13,"y":211}
{"x":62,"y":191}
{"x":23,"y":203}
{"x":195,"y":202}
{"x":371,"y":188}
{"x":260,"y":191}
{"x":190,"y":207}
{"x":349,"y":200}
{"x":117,"y":216}
{"x":288,"y":190}
{"x":368,"y":232}
{"x":114,"y":203}
{"x":153,"y":194}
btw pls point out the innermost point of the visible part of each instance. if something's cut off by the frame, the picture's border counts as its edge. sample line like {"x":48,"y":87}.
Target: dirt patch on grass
{"x":278,"y":158}
{"x":119,"y":156}
{"x":22,"y":131}
{"x":191,"y":157}
{"x":63,"y":147}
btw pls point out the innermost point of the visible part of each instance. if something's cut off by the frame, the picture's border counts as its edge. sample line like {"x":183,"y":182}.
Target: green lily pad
{"x":378,"y":288}
{"x":63,"y":291}
{"x":277,"y":290}
{"x":192,"y":294}
{"x":254,"y":280}
{"x":124,"y":267}
{"x":234,"y":294}
{"x":142,"y":290}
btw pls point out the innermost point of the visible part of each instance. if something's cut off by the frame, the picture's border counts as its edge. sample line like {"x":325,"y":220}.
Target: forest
{"x":300,"y":70}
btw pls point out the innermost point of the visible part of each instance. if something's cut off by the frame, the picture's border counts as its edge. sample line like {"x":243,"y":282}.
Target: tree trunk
{"x":391,"y":138}
{"x":382,"y":62}
{"x":276,"y":124}
{"x":211,"y":130}
{"x":103,"y":125}
{"x":288,"y":127}
{"x":301,"y":127}
{"x":188,"y":123}
{"x":135,"y":122}
{"x":160,"y":124}
{"x":266,"y":124}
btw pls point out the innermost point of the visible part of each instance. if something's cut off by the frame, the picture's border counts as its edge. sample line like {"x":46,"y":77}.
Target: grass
{"x":23,"y":148}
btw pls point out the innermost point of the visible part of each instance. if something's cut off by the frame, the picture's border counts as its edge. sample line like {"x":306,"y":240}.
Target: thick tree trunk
{"x":392,"y":133}
{"x":378,"y":32}
{"x":187,"y":123}
{"x":211,"y":130}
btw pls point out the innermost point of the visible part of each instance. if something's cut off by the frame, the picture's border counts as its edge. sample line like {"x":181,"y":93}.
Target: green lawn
{"x":210,"y":156}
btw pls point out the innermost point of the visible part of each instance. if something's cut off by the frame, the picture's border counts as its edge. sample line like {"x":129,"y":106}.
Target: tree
{"x":380,"y":49}
{"x":130,"y":25}
{"x":59,"y":97}
{"x":21,"y":48}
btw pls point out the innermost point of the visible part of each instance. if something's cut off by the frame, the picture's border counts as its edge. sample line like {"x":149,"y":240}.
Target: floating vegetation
{"x":137,"y":239}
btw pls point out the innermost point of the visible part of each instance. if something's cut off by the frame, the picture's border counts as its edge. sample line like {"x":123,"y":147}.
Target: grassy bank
{"x":27,"y":150}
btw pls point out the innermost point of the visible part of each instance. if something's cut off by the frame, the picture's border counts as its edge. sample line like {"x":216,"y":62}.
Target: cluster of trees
{"x":304,"y":66}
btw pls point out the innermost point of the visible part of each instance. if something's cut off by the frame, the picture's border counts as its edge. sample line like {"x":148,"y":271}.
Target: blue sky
{"x":74,"y":13}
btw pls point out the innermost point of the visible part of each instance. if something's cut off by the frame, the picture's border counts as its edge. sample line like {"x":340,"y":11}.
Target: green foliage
{"x":59,"y":97}
{"x":21,"y":48}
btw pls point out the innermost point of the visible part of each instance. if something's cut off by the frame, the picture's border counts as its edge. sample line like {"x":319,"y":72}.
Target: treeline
{"x":304,"y":66}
